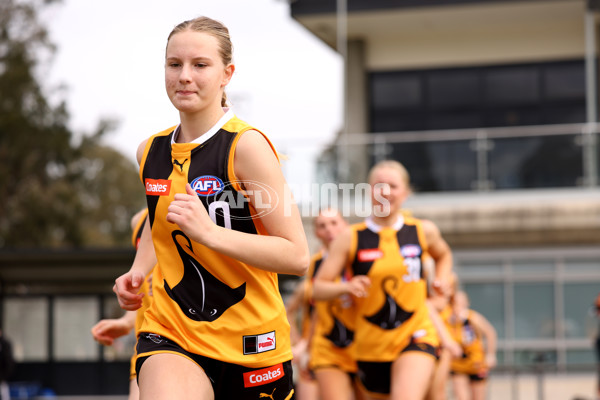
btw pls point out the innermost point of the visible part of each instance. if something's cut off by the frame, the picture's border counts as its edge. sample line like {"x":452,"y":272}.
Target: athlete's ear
{"x":228,"y":73}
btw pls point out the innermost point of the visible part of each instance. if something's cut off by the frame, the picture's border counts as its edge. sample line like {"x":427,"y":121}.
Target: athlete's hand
{"x":127,"y":288}
{"x":187,"y":211}
{"x":453,"y":347}
{"x":441,"y":287}
{"x":107,"y":330}
{"x":490,"y":360}
{"x":358,"y":286}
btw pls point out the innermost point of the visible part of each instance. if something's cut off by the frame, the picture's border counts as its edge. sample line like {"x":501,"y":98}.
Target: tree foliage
{"x":53,"y":192}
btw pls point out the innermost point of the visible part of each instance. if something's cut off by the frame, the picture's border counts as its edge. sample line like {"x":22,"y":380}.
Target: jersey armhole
{"x":147,"y":149}
{"x":230,"y":159}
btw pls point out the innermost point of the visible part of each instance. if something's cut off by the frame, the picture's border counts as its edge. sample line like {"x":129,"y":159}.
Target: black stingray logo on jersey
{"x":179,"y":164}
{"x":200,"y":295}
{"x":207,"y":185}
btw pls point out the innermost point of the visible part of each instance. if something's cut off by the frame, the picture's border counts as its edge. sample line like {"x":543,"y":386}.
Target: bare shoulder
{"x":140,"y":150}
{"x":430,"y":228}
{"x":254,"y":154}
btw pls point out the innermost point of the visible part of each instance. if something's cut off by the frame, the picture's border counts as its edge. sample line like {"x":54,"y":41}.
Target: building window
{"x":26,"y":325}
{"x":444,"y":101}
{"x":538,"y":300}
{"x":73,"y":318}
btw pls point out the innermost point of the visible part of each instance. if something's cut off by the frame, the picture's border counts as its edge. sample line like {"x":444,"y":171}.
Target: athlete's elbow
{"x":300,"y":263}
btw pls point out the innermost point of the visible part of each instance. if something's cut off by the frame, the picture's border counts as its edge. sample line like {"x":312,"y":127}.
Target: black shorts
{"x":229,"y":381}
{"x":376,"y":377}
{"x":479,"y":377}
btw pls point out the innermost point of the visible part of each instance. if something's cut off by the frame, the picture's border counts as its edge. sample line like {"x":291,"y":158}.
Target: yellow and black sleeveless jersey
{"x":394,"y":313}
{"x":211,"y":305}
{"x":464,"y":333}
{"x":333,"y":335}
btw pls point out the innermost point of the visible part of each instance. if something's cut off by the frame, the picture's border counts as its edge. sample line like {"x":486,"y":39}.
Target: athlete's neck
{"x":197,"y":124}
{"x":390,"y":220}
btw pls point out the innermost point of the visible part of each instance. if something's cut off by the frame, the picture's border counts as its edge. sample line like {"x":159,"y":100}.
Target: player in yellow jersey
{"x":478,"y":340}
{"x":223,"y":226}
{"x":107,"y":330}
{"x":395,"y":340}
{"x":329,"y":370}
{"x":440,"y":310}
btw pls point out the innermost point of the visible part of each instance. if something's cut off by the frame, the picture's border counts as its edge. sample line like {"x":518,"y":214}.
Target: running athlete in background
{"x":439,"y":310}
{"x":327,"y":225}
{"x":107,"y":330}
{"x":223,"y":226}
{"x":395,"y":340}
{"x":478,"y":340}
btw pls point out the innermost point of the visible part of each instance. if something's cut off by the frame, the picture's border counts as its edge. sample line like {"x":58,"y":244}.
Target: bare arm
{"x":441,"y":254}
{"x":489,"y":335}
{"x":324,"y":285}
{"x":107,"y":330}
{"x":293,"y":304}
{"x":285,"y":249}
{"x":128,"y":285}
{"x":446,"y":339}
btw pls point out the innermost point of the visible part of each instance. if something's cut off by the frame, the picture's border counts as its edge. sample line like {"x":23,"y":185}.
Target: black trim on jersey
{"x":367,"y":239}
{"x":408,"y":234}
{"x":160,"y":168}
{"x":317,"y":266}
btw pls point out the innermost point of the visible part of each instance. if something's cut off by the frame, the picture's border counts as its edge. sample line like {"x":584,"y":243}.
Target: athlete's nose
{"x":185,"y":74}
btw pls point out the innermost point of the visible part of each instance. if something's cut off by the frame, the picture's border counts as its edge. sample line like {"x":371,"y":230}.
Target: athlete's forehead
{"x":193,"y":45}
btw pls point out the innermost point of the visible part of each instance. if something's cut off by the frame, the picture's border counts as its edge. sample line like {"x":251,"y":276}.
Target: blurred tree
{"x":53,"y":193}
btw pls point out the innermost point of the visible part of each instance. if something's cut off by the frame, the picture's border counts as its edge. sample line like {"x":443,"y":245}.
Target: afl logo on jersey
{"x":410,"y":250}
{"x":207,"y":185}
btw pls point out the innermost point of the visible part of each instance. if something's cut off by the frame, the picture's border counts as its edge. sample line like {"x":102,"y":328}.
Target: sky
{"x":110,"y":58}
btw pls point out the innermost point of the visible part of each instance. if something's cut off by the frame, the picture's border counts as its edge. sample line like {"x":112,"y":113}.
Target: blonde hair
{"x":391,"y":164}
{"x":214,"y":28}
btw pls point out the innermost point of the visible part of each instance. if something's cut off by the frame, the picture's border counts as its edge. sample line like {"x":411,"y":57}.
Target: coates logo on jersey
{"x":158,"y":187}
{"x":207,"y":185}
{"x":263,"y":376}
{"x":410,"y":251}
{"x":368,"y":255}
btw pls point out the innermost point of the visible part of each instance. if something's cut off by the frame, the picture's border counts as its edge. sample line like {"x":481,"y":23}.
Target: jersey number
{"x":219,"y":210}
{"x":413,"y":269}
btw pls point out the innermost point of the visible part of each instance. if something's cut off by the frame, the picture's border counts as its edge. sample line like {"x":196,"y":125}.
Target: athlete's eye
{"x":174,"y":64}
{"x":200,"y":65}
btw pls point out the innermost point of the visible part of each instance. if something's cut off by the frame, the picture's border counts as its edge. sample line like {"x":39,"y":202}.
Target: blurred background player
{"x":478,"y":340}
{"x":327,"y":225}
{"x":395,"y":340}
{"x":107,"y":330}
{"x":440,"y":310}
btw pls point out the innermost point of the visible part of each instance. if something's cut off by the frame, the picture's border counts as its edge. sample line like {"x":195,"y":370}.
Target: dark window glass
{"x":438,"y":166}
{"x":564,"y":82}
{"x":513,"y":116}
{"x":394,"y":121}
{"x":535,"y":162}
{"x":516,"y":85}
{"x":396,"y":91}
{"x":454,"y":120}
{"x":453,"y":89}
